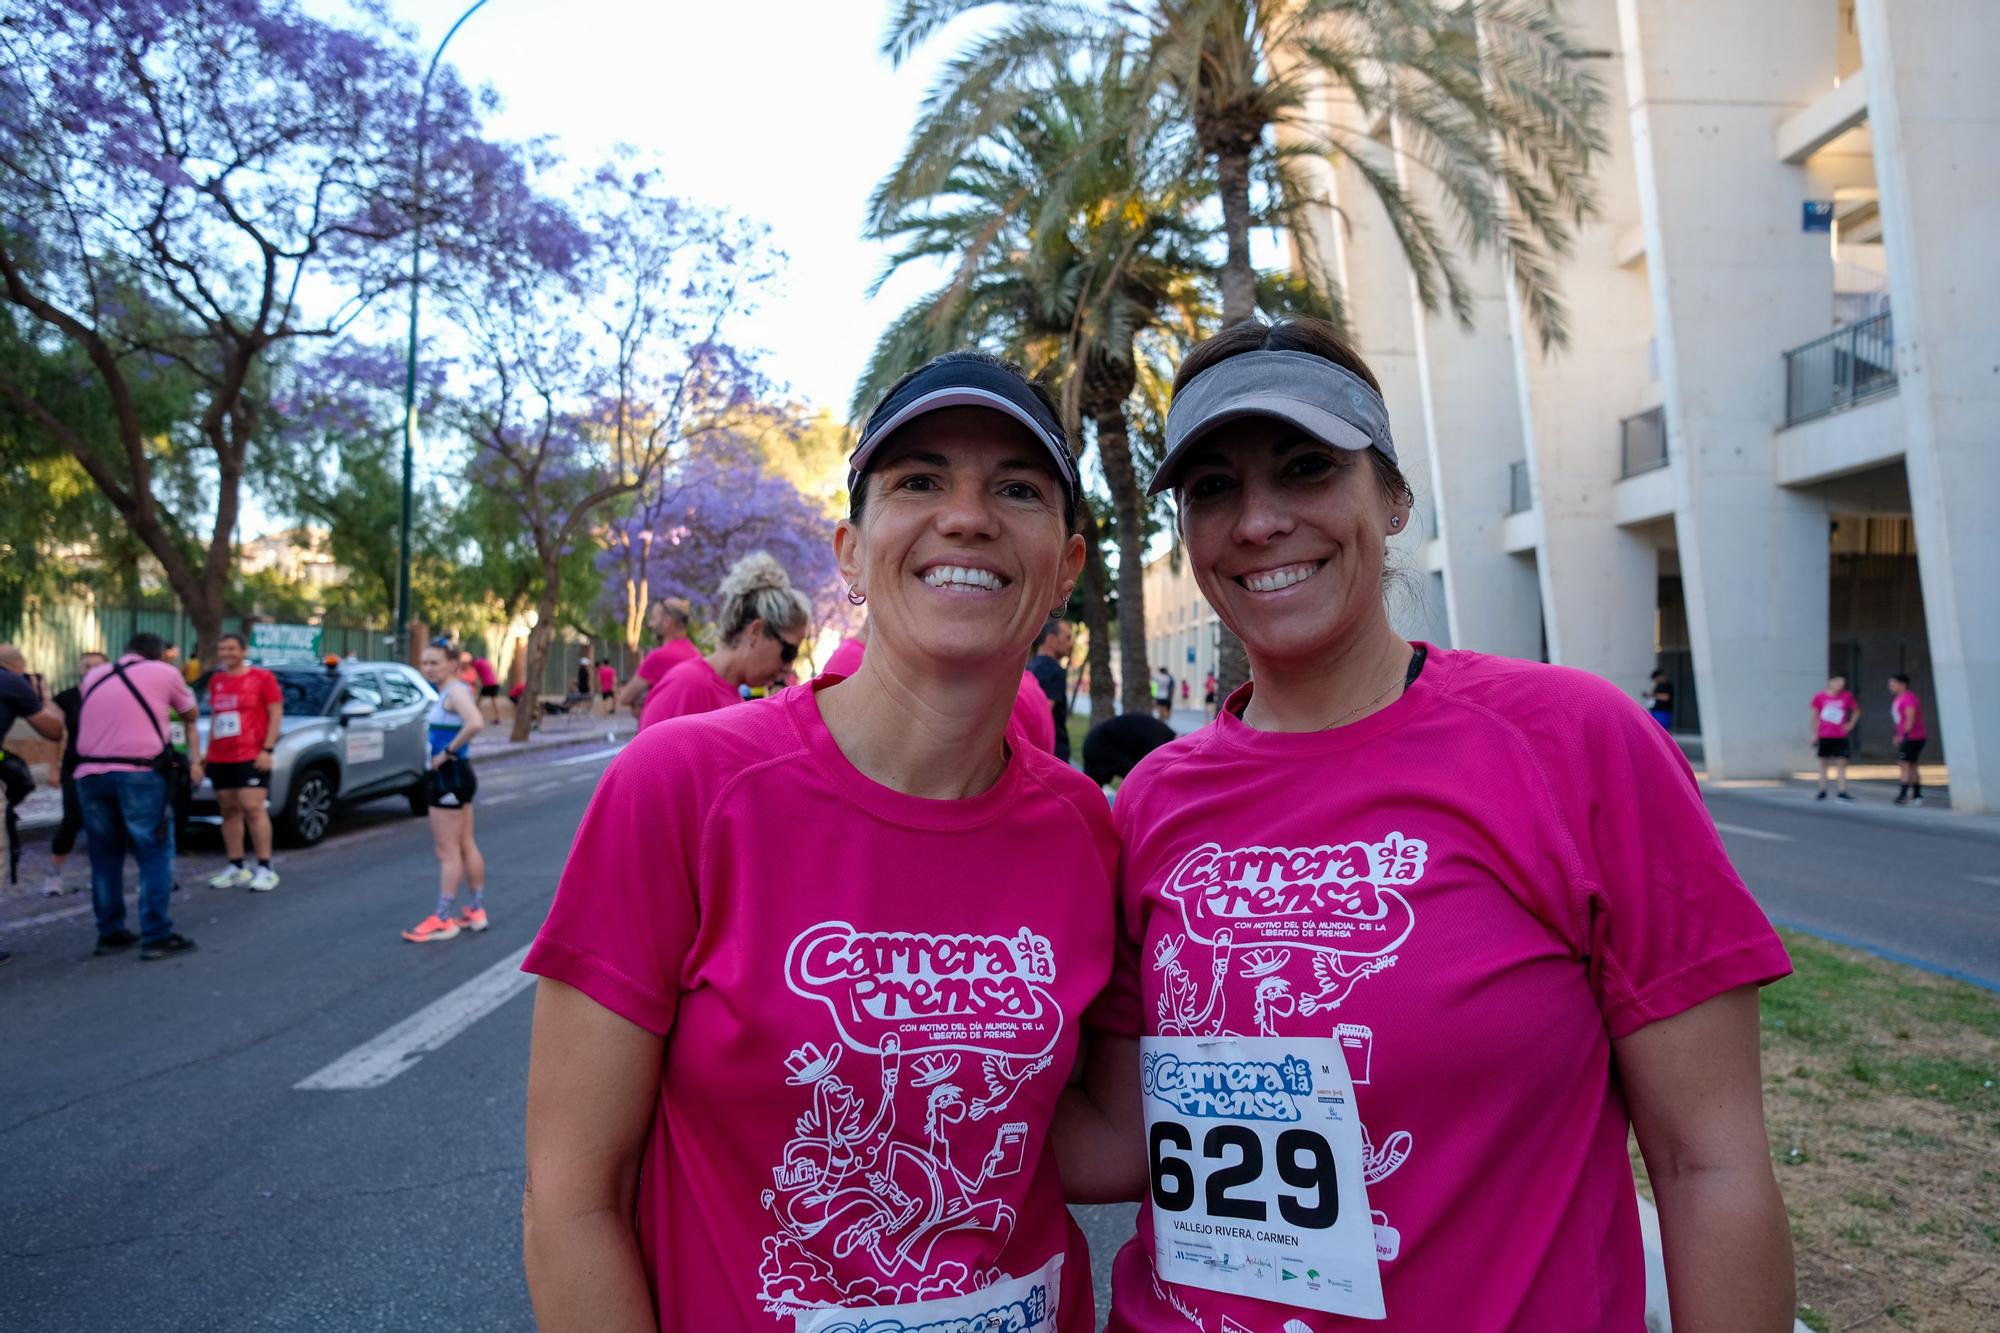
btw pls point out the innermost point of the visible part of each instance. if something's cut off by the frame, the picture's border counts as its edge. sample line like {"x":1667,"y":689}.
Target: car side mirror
{"x":354,"y":708}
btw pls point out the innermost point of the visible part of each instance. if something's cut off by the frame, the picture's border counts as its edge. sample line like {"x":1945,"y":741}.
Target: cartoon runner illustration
{"x":832,"y":1146}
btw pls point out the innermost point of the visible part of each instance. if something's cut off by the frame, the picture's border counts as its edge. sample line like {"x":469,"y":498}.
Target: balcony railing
{"x":1846,"y":368}
{"x":1520,"y":494}
{"x":1642,"y":442}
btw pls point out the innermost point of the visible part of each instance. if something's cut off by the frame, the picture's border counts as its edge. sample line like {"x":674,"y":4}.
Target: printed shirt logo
{"x":1298,"y":928}
{"x":950,"y":1029}
{"x":1228,"y":1089}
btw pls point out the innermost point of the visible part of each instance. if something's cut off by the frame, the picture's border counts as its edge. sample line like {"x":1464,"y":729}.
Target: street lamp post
{"x":410,"y":366}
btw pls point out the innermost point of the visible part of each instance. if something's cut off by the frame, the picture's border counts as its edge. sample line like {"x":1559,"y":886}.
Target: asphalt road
{"x":165,"y":1173}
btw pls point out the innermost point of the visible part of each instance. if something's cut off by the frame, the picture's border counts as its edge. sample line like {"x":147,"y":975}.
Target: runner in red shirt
{"x":245,"y":708}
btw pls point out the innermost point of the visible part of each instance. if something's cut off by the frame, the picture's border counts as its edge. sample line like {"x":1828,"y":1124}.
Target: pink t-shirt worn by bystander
{"x":656,"y":664}
{"x":1908,"y":711}
{"x":1833,"y":711}
{"x":113,"y":724}
{"x":1467,"y":897}
{"x":691,"y":687}
{"x":870,"y":1003}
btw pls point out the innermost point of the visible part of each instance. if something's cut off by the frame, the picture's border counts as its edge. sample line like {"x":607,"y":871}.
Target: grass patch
{"x":1883,"y":1112}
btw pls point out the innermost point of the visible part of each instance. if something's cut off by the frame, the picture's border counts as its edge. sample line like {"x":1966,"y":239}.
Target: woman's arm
{"x":466,"y":706}
{"x":1100,"y":1132}
{"x":1696,"y":1096}
{"x":593,"y":1078}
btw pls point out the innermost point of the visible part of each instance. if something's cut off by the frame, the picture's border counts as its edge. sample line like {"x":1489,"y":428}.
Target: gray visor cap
{"x":1328,"y":402}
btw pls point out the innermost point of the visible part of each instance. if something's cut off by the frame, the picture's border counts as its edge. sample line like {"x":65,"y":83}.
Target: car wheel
{"x":419,"y":799}
{"x":309,"y":808}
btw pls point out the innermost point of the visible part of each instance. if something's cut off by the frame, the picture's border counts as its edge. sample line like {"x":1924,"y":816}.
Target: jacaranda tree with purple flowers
{"x":195,"y":184}
{"x":714,"y":503}
{"x":589,"y":377}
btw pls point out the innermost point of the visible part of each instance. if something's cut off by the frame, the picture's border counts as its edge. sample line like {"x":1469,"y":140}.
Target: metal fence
{"x":53,"y":635}
{"x":1847,"y":367}
{"x":1520,"y":491}
{"x":1642,"y":442}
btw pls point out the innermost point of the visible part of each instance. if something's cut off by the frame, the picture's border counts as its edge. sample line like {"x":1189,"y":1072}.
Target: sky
{"x":782,"y":111}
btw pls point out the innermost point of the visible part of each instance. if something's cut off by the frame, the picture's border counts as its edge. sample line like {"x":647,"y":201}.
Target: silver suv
{"x":351,"y":732}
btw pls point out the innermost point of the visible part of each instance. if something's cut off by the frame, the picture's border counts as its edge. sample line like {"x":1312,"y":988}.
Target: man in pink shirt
{"x":668,"y":619}
{"x":122,"y":733}
{"x":1908,"y":710}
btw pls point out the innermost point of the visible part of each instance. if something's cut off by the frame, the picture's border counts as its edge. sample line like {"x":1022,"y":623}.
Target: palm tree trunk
{"x":1239,"y":280}
{"x":1097,"y":622}
{"x":1114,"y":452}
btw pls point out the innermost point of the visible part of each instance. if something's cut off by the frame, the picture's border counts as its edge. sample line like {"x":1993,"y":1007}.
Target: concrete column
{"x":1469,"y":393}
{"x":1934,"y":115}
{"x":1735,"y":281}
{"x":1599,"y":582}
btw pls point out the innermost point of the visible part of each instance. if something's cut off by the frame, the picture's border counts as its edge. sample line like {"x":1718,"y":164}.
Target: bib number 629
{"x":1237,"y":1188}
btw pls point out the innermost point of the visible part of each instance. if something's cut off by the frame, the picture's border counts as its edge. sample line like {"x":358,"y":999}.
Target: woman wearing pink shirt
{"x":761,"y":621}
{"x":1836,"y":713}
{"x":1416,"y":938}
{"x":812,"y":982}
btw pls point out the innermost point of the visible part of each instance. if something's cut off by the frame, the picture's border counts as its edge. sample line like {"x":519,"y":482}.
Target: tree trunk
{"x":1239,"y":279}
{"x":1114,"y":452}
{"x":1096,"y":590}
{"x":538,"y":651}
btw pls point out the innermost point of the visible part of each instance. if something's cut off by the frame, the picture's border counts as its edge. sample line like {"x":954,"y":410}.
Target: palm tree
{"x":1485,"y":96}
{"x":1071,"y":243}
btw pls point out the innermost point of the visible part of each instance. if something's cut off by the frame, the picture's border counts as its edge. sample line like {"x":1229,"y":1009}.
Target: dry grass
{"x":1880,"y":1092}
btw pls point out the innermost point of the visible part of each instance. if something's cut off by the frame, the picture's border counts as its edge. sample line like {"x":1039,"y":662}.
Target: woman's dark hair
{"x":1295,"y":333}
{"x":1072,"y":517}
{"x":1901,"y":679}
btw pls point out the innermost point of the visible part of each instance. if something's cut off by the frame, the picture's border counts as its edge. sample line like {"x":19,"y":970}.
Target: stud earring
{"x":1396,"y":521}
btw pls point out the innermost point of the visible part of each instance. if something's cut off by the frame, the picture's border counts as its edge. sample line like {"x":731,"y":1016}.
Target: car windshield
{"x":305,"y":690}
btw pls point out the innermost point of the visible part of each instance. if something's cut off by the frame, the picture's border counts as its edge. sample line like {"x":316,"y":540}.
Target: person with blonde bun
{"x":761,"y":623}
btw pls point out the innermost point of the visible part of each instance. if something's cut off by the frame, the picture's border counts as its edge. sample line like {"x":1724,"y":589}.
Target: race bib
{"x":1011,"y":1305}
{"x":1835,"y":712}
{"x":177,"y":735}
{"x":1255,"y":1153}
{"x":226,"y":725}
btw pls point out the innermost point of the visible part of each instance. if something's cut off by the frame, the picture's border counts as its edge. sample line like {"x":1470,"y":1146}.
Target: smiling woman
{"x":770,"y":908}
{"x":1478,"y":902}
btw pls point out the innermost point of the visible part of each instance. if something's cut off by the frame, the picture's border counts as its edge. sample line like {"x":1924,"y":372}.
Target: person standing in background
{"x":20,"y":698}
{"x":1835,"y":715}
{"x":1050,"y":668}
{"x":586,"y":674}
{"x":1908,"y":710}
{"x":761,"y":622}
{"x":489,"y":688}
{"x":668,"y":620}
{"x":1659,"y":700}
{"x":70,"y":703}
{"x":1163,"y":694}
{"x":245,"y":710}
{"x":607,"y":689}
{"x":124,"y":769}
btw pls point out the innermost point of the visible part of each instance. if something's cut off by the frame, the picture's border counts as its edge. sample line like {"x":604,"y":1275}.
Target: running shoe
{"x":264,"y":880}
{"x":52,"y":885}
{"x":229,"y":877}
{"x":431,"y":929}
{"x":1843,"y":796}
{"x":471,"y":918}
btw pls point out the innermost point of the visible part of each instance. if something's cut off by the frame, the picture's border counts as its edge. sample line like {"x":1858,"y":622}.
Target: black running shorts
{"x":451,"y":785}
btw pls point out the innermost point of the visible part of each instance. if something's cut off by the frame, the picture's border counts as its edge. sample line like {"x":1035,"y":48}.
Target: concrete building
{"x":1772,"y":447}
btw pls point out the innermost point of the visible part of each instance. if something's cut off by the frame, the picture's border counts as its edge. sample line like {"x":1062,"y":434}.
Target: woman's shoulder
{"x":1533,"y":692}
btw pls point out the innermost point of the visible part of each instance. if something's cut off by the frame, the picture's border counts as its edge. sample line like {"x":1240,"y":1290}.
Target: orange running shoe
{"x":432,"y":928}
{"x":470,"y":918}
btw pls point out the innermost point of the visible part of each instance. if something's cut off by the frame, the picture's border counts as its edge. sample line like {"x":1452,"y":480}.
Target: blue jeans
{"x":121,"y":812}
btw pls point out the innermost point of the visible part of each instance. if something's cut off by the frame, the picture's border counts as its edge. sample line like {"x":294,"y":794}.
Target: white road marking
{"x":541,"y":787}
{"x":42,"y":919}
{"x":1984,"y":879}
{"x":583,"y":758}
{"x":483,"y":802}
{"x":375,"y":1062}
{"x":1747,"y":832}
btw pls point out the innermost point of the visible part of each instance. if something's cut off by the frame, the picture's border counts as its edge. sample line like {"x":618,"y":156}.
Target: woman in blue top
{"x":454,"y":721}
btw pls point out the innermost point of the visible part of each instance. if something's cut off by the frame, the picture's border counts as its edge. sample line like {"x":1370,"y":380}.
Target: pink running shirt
{"x":1833,"y":711}
{"x":843,"y":660}
{"x":691,"y":687}
{"x":1474,"y":891}
{"x":1908,"y":711}
{"x":112,"y":724}
{"x":665,"y":658}
{"x":1033,"y":721}
{"x":870,"y":1004}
